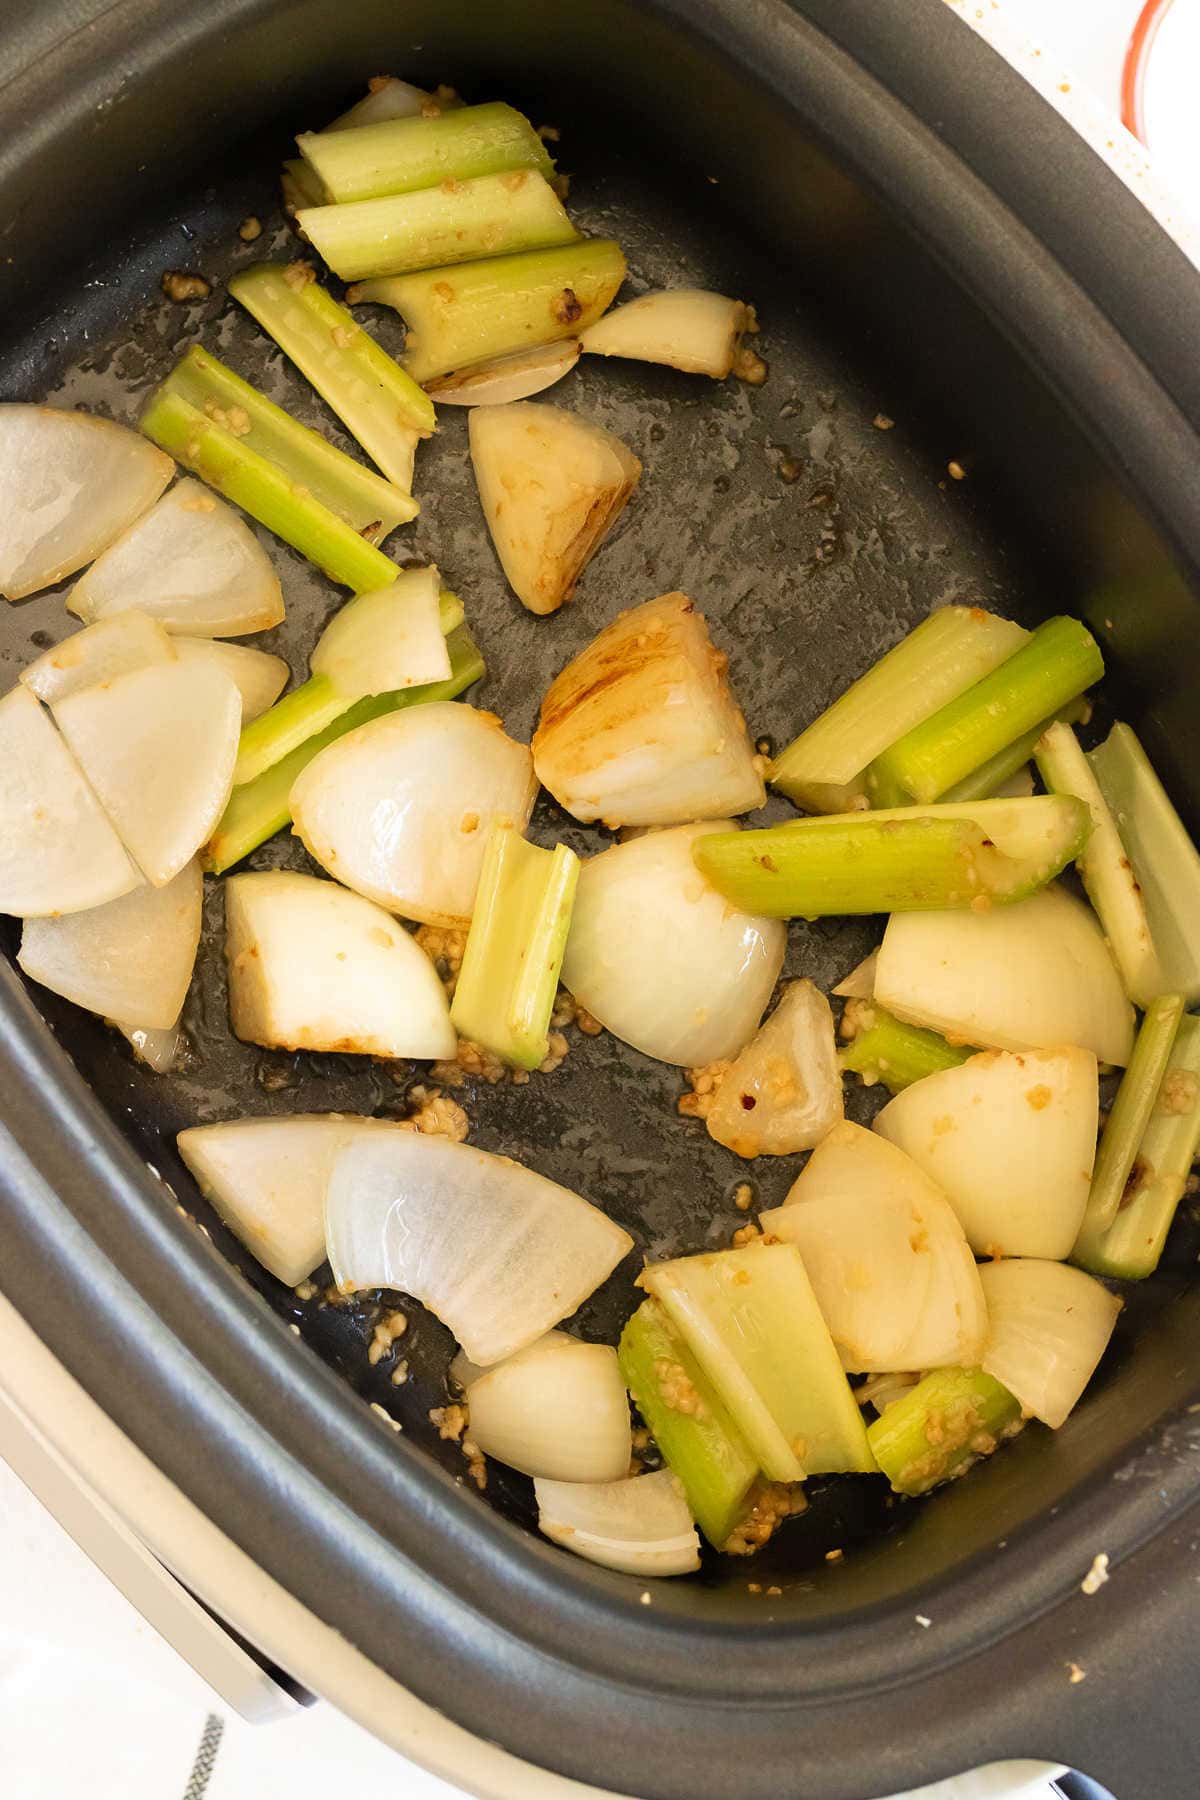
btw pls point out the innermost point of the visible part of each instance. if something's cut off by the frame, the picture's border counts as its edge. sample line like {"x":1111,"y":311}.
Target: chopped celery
{"x":471,"y":312}
{"x":1128,"y":1118}
{"x":688,"y":1421}
{"x":514,"y":951}
{"x":300,"y":186}
{"x":1105,"y":868}
{"x":377,"y":402}
{"x":897,"y":1054}
{"x":905,"y":860}
{"x":1133,"y":1243}
{"x":263,"y":490}
{"x":988,"y":781}
{"x":397,"y":156}
{"x":493,"y":215}
{"x":752,"y":1322}
{"x":939,"y":659}
{"x":314,"y":466}
{"x":307,"y":710}
{"x":262,"y":807}
{"x":1164,"y":858}
{"x":1053,"y":667}
{"x":939,"y":1427}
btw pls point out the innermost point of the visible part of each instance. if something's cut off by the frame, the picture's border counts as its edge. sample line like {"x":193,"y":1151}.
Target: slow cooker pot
{"x":925,"y":240}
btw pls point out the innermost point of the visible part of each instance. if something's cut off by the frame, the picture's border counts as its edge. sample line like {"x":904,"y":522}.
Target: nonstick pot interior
{"x":881,"y":373}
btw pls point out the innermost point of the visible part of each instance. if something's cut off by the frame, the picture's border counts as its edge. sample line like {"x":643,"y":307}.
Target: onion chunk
{"x":640,"y":1526}
{"x":130,"y":960}
{"x":1030,"y":976}
{"x":686,"y":328}
{"x":192,"y":563}
{"x":551,"y":486}
{"x":784,"y":1091}
{"x":642,"y":729}
{"x":885,"y":1254}
{"x":267,"y":1179}
{"x":400,"y":810}
{"x":557,"y":1408}
{"x":506,"y":378}
{"x":1010,"y":1138}
{"x":158,"y":745}
{"x":379,"y":643}
{"x":98,"y":653}
{"x":259,"y":677}
{"x":69,"y":485}
{"x":661,"y":959}
{"x":313,"y":967}
{"x":58,"y":850}
{"x":1050,"y":1325}
{"x":499,"y":1253}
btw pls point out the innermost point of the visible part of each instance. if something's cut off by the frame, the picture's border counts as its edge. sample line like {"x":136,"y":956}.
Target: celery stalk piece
{"x":493,"y":215}
{"x":905,"y":860}
{"x":987,"y":781}
{"x":1107,"y":872}
{"x":751,"y":1320}
{"x":1128,"y":1118}
{"x":472,"y":312}
{"x":262,"y":807}
{"x":939,"y":659}
{"x":307,"y":710}
{"x":514,"y":951}
{"x":687,"y":1420}
{"x":376,"y":400}
{"x":292,"y":720}
{"x":372,"y":506}
{"x":1053,"y":667}
{"x":897,"y":1054}
{"x":1164,"y":858}
{"x":939,"y":1427}
{"x":1131,"y":1247}
{"x":401,"y":155}
{"x":300,"y":186}
{"x":263,"y":490}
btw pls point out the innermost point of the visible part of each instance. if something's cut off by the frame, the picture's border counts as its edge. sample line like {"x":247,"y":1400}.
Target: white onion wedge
{"x":557,"y":1408}
{"x":1050,"y":1325}
{"x":551,"y":486}
{"x":313,"y":967}
{"x":390,"y":639}
{"x":507,"y":378}
{"x":886,"y":1256}
{"x":859,"y":984}
{"x":267,"y":1178}
{"x":463,"y":1373}
{"x":1030,"y":976}
{"x":686,"y":328}
{"x":69,"y":485}
{"x":129,"y":960}
{"x":640,"y":1526}
{"x":160,"y":1049}
{"x":386,"y":98}
{"x":400,"y":810}
{"x":192,"y":563}
{"x":98,"y":653}
{"x":158,"y":746}
{"x":58,"y":850}
{"x":1010,"y":1138}
{"x":641,"y":727}
{"x":259,"y":677}
{"x":499,"y":1253}
{"x":784,"y":1091}
{"x":661,"y":959}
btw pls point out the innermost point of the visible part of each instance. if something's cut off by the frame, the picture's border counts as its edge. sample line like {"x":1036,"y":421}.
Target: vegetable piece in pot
{"x":784,"y":1090}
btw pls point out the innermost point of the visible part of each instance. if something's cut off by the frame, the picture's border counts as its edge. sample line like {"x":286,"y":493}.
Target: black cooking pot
{"x":926,"y":240}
